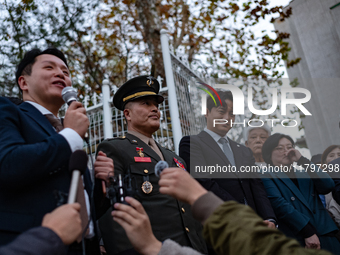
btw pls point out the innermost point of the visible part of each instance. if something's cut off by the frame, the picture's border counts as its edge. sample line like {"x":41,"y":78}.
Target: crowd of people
{"x":294,"y":212}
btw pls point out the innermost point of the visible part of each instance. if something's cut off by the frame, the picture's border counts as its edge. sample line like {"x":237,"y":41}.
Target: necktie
{"x":56,"y":123}
{"x":154,"y":146}
{"x":227,"y":151}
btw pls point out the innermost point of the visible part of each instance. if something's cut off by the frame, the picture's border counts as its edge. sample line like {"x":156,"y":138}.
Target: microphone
{"x":160,"y":166}
{"x":78,"y":164}
{"x":69,"y":95}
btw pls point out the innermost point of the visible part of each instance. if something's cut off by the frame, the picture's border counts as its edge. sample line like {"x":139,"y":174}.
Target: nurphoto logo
{"x":239,"y":99}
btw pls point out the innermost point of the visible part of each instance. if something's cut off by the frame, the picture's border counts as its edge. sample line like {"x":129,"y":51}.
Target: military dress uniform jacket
{"x":170,"y":218}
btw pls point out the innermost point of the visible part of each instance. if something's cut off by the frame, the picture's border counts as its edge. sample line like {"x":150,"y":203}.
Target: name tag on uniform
{"x":142,"y":159}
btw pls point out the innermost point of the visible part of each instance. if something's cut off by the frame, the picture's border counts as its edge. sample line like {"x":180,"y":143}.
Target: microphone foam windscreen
{"x":160,"y":166}
{"x":78,"y":161}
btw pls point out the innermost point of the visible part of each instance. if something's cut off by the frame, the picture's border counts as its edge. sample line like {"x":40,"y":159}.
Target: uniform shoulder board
{"x":115,"y":138}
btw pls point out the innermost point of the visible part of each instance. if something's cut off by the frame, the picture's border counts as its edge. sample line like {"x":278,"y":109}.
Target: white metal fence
{"x":186,"y":97}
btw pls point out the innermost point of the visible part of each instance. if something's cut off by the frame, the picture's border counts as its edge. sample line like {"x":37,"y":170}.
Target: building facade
{"x":314,"y":29}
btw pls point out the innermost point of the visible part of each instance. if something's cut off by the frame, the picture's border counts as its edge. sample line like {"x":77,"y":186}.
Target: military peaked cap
{"x":137,"y":87}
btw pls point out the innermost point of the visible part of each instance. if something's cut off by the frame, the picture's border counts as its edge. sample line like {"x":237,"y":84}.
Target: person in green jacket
{"x":230,"y":227}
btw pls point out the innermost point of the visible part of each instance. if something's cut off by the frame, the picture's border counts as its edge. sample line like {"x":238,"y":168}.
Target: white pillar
{"x":173,"y":106}
{"x":107,"y":115}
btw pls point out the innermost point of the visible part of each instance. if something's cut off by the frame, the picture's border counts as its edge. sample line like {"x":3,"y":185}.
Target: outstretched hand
{"x":137,"y":226}
{"x":65,"y":222}
{"x":178,"y":183}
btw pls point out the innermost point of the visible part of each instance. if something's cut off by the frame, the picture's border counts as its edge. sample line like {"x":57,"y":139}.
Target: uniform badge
{"x":140,"y":151}
{"x":149,"y":81}
{"x":147,"y":187}
{"x":179,"y":164}
{"x":141,"y":157}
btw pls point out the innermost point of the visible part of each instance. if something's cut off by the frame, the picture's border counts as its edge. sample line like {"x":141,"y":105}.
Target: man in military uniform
{"x":137,"y":153}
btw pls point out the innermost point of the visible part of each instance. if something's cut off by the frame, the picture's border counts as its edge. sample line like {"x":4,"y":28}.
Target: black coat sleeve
{"x":36,"y":241}
{"x":187,"y":152}
{"x":262,"y":202}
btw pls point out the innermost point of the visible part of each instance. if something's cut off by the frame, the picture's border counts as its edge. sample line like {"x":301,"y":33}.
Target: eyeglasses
{"x":282,"y":148}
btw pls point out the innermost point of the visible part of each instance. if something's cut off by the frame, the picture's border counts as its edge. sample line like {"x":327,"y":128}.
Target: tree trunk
{"x":150,"y":20}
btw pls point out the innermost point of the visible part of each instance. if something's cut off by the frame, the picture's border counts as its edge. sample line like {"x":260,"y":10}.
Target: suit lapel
{"x":295,"y":190}
{"x":147,"y":150}
{"x":37,"y":117}
{"x":211,"y":143}
{"x":237,"y":151}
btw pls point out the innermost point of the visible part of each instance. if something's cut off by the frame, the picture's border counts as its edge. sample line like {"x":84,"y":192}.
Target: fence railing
{"x":186,"y":97}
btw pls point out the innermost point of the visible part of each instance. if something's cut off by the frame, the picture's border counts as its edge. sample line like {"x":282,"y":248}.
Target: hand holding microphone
{"x":179,"y":184}
{"x":103,"y":169}
{"x":160,"y":166}
{"x":65,"y":222}
{"x":75,"y":117}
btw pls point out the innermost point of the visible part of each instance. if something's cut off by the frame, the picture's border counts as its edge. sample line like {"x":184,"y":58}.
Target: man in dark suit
{"x":137,"y":153}
{"x":34,"y":155}
{"x":212,"y":147}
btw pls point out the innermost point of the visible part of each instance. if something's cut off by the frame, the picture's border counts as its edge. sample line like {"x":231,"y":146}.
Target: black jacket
{"x":202,"y":150}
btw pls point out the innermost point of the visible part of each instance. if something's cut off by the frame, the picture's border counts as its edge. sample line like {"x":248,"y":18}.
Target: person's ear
{"x":207,"y":113}
{"x":246,"y":143}
{"x":22,"y":81}
{"x":127,"y":114}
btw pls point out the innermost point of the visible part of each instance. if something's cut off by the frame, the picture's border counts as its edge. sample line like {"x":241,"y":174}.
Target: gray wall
{"x":315,"y":37}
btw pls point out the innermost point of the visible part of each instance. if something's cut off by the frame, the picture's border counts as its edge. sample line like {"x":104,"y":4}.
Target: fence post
{"x":107,"y":115}
{"x":173,"y":106}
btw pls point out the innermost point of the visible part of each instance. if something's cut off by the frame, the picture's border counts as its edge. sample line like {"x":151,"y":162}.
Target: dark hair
{"x":224,"y":95}
{"x":270,"y":144}
{"x":327,"y":151}
{"x":25,"y":65}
